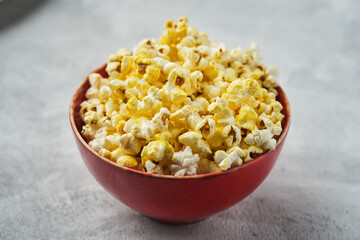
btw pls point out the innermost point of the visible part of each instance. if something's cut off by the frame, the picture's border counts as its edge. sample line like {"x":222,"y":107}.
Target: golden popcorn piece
{"x":146,"y":107}
{"x":193,"y":119}
{"x":182,"y":105}
{"x":116,"y":154}
{"x":152,"y":74}
{"x":176,"y":132}
{"x":158,"y":150}
{"x":178,"y":96}
{"x":247,"y":117}
{"x":179,"y":118}
{"x":192,"y":59}
{"x":251,"y":152}
{"x":230,"y":74}
{"x":243,"y":91}
{"x":105,"y":153}
{"x":220,"y":54}
{"x":207,"y":166}
{"x":96,"y":81}
{"x":147,"y":48}
{"x":264,"y":138}
{"x":223,"y":115}
{"x":127,"y":161}
{"x":146,"y":129}
{"x":217,"y":140}
{"x":213,"y":69}
{"x":119,"y":64}
{"x":201,"y":104}
{"x":195,"y":141}
{"x":180,"y":78}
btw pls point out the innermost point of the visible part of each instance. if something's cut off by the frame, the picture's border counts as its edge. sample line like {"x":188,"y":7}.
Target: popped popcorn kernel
{"x":183,"y":105}
{"x":185,"y":163}
{"x":195,"y":141}
{"x":127,"y":161}
{"x":232,"y":157}
{"x":158,"y":150}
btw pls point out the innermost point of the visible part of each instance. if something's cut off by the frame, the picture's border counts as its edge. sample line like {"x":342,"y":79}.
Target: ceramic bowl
{"x":175,"y":199}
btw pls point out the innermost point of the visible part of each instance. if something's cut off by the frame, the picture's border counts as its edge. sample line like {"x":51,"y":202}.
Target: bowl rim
{"x":153,"y":175}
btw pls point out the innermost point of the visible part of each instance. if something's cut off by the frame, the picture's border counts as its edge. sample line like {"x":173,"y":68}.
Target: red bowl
{"x":175,"y":199}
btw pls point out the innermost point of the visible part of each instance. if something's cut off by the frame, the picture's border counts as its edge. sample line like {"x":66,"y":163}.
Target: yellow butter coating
{"x":183,"y":104}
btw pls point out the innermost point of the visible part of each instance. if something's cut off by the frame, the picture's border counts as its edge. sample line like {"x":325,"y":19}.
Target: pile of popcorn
{"x":183,"y":105}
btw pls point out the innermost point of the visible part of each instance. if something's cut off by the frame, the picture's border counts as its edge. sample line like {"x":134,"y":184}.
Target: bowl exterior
{"x":175,"y":200}
{"x":179,"y":200}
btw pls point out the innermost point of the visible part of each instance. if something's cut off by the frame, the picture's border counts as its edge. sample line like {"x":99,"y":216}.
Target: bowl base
{"x":175,"y":222}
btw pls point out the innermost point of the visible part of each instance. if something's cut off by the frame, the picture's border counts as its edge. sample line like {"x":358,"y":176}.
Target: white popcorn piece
{"x":272,"y":78}
{"x":264,"y":138}
{"x":230,"y":158}
{"x":261,"y":138}
{"x":130,"y":144}
{"x":275,"y":129}
{"x":147,"y":129}
{"x":153,"y":168}
{"x":185,"y":163}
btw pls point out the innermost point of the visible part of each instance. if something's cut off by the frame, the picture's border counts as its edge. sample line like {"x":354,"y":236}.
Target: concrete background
{"x":48,"y":47}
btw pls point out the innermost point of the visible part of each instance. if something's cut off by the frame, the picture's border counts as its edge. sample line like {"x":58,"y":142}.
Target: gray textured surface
{"x":48,"y":47}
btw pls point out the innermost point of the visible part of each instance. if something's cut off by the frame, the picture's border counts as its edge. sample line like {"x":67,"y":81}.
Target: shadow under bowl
{"x":173,"y":199}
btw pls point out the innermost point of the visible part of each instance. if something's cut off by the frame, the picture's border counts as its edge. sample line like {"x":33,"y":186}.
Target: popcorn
{"x":179,"y":118}
{"x":127,"y":161}
{"x":261,"y":138}
{"x":130,"y":144}
{"x":201,"y":104}
{"x":247,"y":117}
{"x":195,"y":141}
{"x":252,"y":151}
{"x":271,"y":80}
{"x":147,"y":107}
{"x":222,"y":113}
{"x":232,"y":157}
{"x":206,"y":126}
{"x":185,"y":163}
{"x":243,"y":91}
{"x":180,"y":78}
{"x":275,"y":129}
{"x":116,"y":154}
{"x":119,"y":64}
{"x":153,"y":168}
{"x":192,"y":58}
{"x":231,"y":135}
{"x":264,"y":138}
{"x":158,"y":150}
{"x":147,"y":129}
{"x":107,"y":142}
{"x":182,"y":105}
{"x":207,"y":166}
